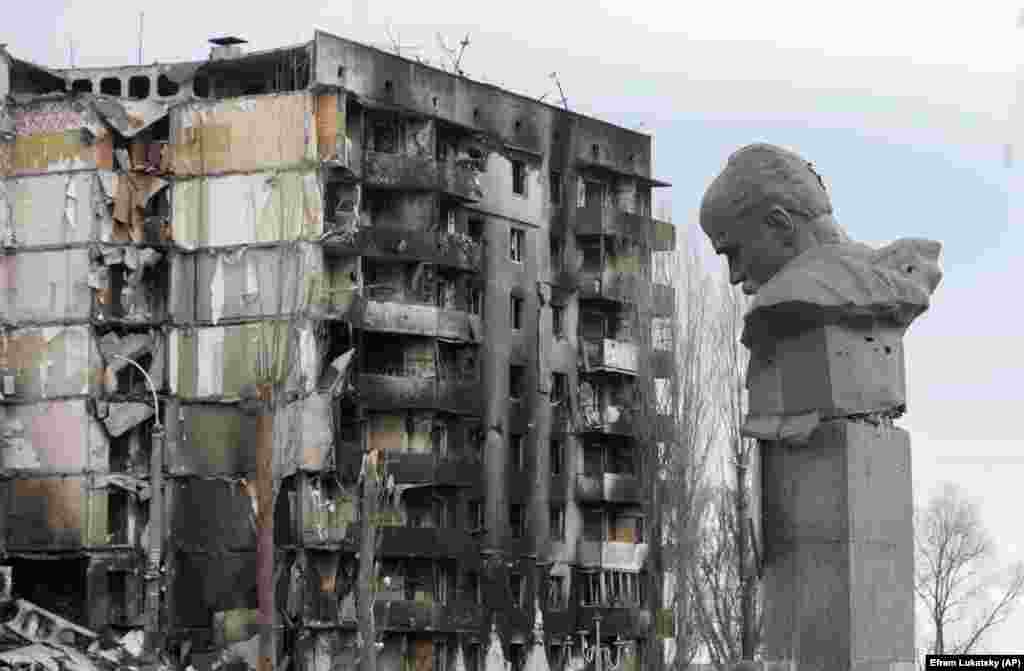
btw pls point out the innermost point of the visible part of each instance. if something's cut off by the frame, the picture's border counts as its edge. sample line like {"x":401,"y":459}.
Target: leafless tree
{"x":964,"y":598}
{"x":742,"y":452}
{"x":683,"y":462}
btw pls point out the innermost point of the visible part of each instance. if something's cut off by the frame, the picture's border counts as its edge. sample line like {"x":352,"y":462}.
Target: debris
{"x":123,"y":416}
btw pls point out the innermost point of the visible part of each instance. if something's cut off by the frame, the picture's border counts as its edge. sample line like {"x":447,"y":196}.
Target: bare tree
{"x":683,"y":462}
{"x":954,"y":580}
{"x":742,"y":451}
{"x":725,"y":577}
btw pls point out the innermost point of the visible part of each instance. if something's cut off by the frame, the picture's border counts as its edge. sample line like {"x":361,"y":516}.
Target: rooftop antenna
{"x":141,"y":15}
{"x":561,"y":92}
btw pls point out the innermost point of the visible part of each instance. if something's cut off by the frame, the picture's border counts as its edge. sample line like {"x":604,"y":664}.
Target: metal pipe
{"x":156,"y":517}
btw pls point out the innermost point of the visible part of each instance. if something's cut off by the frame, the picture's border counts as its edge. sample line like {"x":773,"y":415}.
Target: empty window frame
{"x":516,"y":312}
{"x":519,"y":178}
{"x":558,"y":321}
{"x":556,"y":592}
{"x":556,"y":464}
{"x":476,"y":514}
{"x":516,"y":456}
{"x":516,"y":381}
{"x":557,"y":523}
{"x":516,"y":244}
{"x":515,"y":588}
{"x":517,"y":520}
{"x":555,"y":187}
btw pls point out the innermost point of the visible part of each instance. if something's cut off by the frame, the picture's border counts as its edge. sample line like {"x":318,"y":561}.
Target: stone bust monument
{"x":826,"y":377}
{"x":770,"y":214}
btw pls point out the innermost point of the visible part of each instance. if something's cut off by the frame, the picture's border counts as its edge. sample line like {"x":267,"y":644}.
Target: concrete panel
{"x":216,"y":362}
{"x":243,"y":209}
{"x":55,"y":513}
{"x":243,"y":134}
{"x":58,"y":209}
{"x":59,"y":135}
{"x":46,"y":286}
{"x":53,"y":361}
{"x":254,"y":282}
{"x":53,"y":437}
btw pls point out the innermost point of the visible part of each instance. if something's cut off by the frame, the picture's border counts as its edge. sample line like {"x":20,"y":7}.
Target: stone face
{"x":838,"y":520}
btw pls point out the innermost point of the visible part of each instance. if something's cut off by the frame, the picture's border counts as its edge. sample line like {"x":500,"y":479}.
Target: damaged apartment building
{"x":450,"y":283}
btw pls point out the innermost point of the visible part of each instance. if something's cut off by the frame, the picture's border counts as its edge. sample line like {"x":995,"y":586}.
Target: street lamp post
{"x":598,"y":661}
{"x":156,"y":518}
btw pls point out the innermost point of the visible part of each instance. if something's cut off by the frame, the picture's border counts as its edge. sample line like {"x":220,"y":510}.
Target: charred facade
{"x":455,"y":284}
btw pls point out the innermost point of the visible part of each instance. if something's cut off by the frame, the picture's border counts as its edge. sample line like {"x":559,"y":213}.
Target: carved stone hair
{"x":760,"y":174}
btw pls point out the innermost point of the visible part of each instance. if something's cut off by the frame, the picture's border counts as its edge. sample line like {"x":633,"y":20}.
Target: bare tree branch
{"x":953,"y":551}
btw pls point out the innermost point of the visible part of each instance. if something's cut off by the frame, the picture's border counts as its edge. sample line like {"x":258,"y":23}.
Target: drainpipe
{"x":156,"y":519}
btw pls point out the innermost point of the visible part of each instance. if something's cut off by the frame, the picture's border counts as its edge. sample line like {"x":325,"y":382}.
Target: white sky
{"x":904,"y":74}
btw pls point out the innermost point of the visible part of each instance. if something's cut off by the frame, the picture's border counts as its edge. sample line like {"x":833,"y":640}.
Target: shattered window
{"x":516,"y":312}
{"x":515,"y":588}
{"x":517,"y":240}
{"x":385,"y":136}
{"x":516,"y":381}
{"x":515,"y":447}
{"x":519,"y":178}
{"x":517,"y":520}
{"x":557,"y":321}
{"x":558,"y":522}
{"x":556,"y":457}
{"x":555,"y":188}
{"x":661,"y":334}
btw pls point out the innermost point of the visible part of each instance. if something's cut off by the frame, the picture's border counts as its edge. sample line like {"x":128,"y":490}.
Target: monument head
{"x":766,"y":207}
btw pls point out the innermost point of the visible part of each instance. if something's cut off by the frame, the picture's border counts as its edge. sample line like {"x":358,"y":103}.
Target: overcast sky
{"x":904,"y":107}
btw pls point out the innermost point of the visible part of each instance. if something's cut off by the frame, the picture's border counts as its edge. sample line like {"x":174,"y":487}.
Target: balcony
{"x":620,"y":287}
{"x":421,"y":173}
{"x":399,"y":171}
{"x":429,"y":543}
{"x":610,"y":487}
{"x":427,"y":467}
{"x":630,"y":621}
{"x":615,"y":419}
{"x":613,"y":356}
{"x":611,"y":555}
{"x":597,"y":220}
{"x":460,"y":179}
{"x":416,"y":319}
{"x":454,"y":250}
{"x":405,"y":615}
{"x":407,"y":389}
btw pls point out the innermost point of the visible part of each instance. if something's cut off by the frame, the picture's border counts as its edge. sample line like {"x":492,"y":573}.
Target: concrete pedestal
{"x":838,"y":536}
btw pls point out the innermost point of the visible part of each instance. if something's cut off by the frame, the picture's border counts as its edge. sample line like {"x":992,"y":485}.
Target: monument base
{"x":839,"y":563}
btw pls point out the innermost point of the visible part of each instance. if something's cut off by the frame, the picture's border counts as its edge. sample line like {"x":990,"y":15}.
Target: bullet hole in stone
{"x":888,"y":350}
{"x":869,"y":339}
{"x":910,"y":269}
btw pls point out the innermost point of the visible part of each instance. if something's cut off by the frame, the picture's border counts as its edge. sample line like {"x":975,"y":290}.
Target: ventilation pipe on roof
{"x":226,"y":47}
